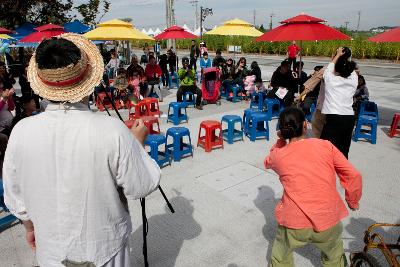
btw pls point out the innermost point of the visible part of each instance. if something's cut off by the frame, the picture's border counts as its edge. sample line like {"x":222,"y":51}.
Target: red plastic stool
{"x":210,"y":140}
{"x":103,"y":102}
{"x":395,"y":124}
{"x":141,"y":110}
{"x":149,"y":122}
{"x":152,"y":106}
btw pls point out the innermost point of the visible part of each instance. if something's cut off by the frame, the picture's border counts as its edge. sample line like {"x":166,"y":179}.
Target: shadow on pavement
{"x":266,"y":203}
{"x":166,"y":234}
{"x":386,"y":115}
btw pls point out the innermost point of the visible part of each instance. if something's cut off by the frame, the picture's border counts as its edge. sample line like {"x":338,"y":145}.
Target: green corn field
{"x":362,"y":49}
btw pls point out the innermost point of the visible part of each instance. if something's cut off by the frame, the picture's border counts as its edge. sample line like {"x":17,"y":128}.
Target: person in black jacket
{"x":255,"y":70}
{"x":283,"y":77}
{"x":163,"y":63}
{"x":194,"y":54}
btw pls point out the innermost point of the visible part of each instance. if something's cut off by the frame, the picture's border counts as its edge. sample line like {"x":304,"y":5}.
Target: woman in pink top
{"x":311,"y":208}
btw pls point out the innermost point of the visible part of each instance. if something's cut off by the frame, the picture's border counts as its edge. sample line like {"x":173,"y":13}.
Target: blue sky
{"x":151,"y":13}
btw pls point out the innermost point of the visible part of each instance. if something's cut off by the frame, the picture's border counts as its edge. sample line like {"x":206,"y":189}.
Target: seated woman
{"x":311,"y":209}
{"x":227,"y":73}
{"x":283,"y":84}
{"x":153,"y":74}
{"x":361,"y":93}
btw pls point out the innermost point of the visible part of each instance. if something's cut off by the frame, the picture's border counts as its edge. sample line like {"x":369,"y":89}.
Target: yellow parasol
{"x":116,"y":30}
{"x":236,"y":27}
{"x":5,"y":36}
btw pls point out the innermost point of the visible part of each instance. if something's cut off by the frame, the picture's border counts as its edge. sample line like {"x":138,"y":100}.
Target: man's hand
{"x":139,"y":130}
{"x":339,"y":51}
{"x":30,"y":238}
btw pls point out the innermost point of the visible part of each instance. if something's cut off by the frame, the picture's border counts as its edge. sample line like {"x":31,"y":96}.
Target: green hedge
{"x":362,"y":49}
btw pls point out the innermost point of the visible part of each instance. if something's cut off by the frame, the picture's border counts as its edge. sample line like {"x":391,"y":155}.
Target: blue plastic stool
{"x":177,"y":116}
{"x":224,"y":92}
{"x":258,"y":126}
{"x":235,"y":89}
{"x":154,"y":141}
{"x":9,"y":219}
{"x":186,"y":99}
{"x":174,"y":80}
{"x":231,"y":133}
{"x":309,"y":116}
{"x":246,"y":118}
{"x":273,"y":106}
{"x":178,"y":148}
{"x":365,"y":120}
{"x":257,"y":100}
{"x":368,"y":108}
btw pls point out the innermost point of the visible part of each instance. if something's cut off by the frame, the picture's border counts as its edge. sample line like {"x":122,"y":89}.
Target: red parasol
{"x":5,"y":31}
{"x":48,"y":27}
{"x":392,"y":36}
{"x":302,"y":28}
{"x":175,"y":32}
{"x":43,"y":32}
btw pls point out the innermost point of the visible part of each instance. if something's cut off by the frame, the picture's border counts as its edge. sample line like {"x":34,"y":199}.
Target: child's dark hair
{"x":205,"y":54}
{"x":258,"y":80}
{"x":57,"y":53}
{"x":362,"y":79}
{"x":291,"y":122}
{"x":343,"y":65}
{"x":254,"y":65}
{"x":151,"y":57}
{"x":121,"y":71}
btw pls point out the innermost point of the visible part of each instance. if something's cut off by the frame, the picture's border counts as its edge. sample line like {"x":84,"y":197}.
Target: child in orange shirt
{"x":311,"y":208}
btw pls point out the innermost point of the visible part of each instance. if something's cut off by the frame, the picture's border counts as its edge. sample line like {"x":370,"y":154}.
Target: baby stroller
{"x":210,"y":85}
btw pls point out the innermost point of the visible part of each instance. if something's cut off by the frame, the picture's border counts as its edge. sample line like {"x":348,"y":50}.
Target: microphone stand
{"x":142,"y":200}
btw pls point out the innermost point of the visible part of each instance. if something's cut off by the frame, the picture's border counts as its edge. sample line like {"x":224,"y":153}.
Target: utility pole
{"x":359,"y":18}
{"x":194,"y":3}
{"x":346,"y":23}
{"x":204,"y":12}
{"x":254,"y":17}
{"x":270,"y":21}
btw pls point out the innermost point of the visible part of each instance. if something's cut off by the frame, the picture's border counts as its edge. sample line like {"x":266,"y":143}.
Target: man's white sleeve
{"x":138,"y":174}
{"x":13,"y":195}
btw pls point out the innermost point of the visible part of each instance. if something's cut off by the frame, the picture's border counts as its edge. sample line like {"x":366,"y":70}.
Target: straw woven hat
{"x":73,"y":82}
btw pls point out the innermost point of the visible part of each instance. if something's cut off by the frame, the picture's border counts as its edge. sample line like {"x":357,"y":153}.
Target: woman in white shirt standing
{"x":340,"y":85}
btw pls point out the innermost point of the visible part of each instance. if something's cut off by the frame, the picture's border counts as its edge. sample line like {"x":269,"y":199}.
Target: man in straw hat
{"x":64,"y":167}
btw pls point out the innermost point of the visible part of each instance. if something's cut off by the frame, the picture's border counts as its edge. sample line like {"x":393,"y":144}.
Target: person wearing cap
{"x":188,"y":83}
{"x":69,"y":171}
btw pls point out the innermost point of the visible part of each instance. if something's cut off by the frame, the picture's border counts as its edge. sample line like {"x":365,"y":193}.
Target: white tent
{"x":197,"y":31}
{"x":187,"y":28}
{"x":157,"y":31}
{"x":144,"y":31}
{"x":150,"y":32}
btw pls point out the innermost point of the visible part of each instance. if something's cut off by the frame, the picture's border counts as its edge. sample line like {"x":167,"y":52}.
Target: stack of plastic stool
{"x":231,"y":134}
{"x":174,"y":80}
{"x":394,"y":125}
{"x":210,"y":140}
{"x":369,"y":121}
{"x":177,"y":116}
{"x":149,"y":122}
{"x":189,"y":99}
{"x":141,"y":109}
{"x":257,"y":100}
{"x":246,"y":118}
{"x":258,"y":126}
{"x":154,"y":141}
{"x":152,"y":106}
{"x":273,"y":106}
{"x":178,"y":148}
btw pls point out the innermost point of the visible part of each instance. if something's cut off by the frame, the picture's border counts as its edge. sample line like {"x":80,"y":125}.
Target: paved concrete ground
{"x":224,"y":200}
